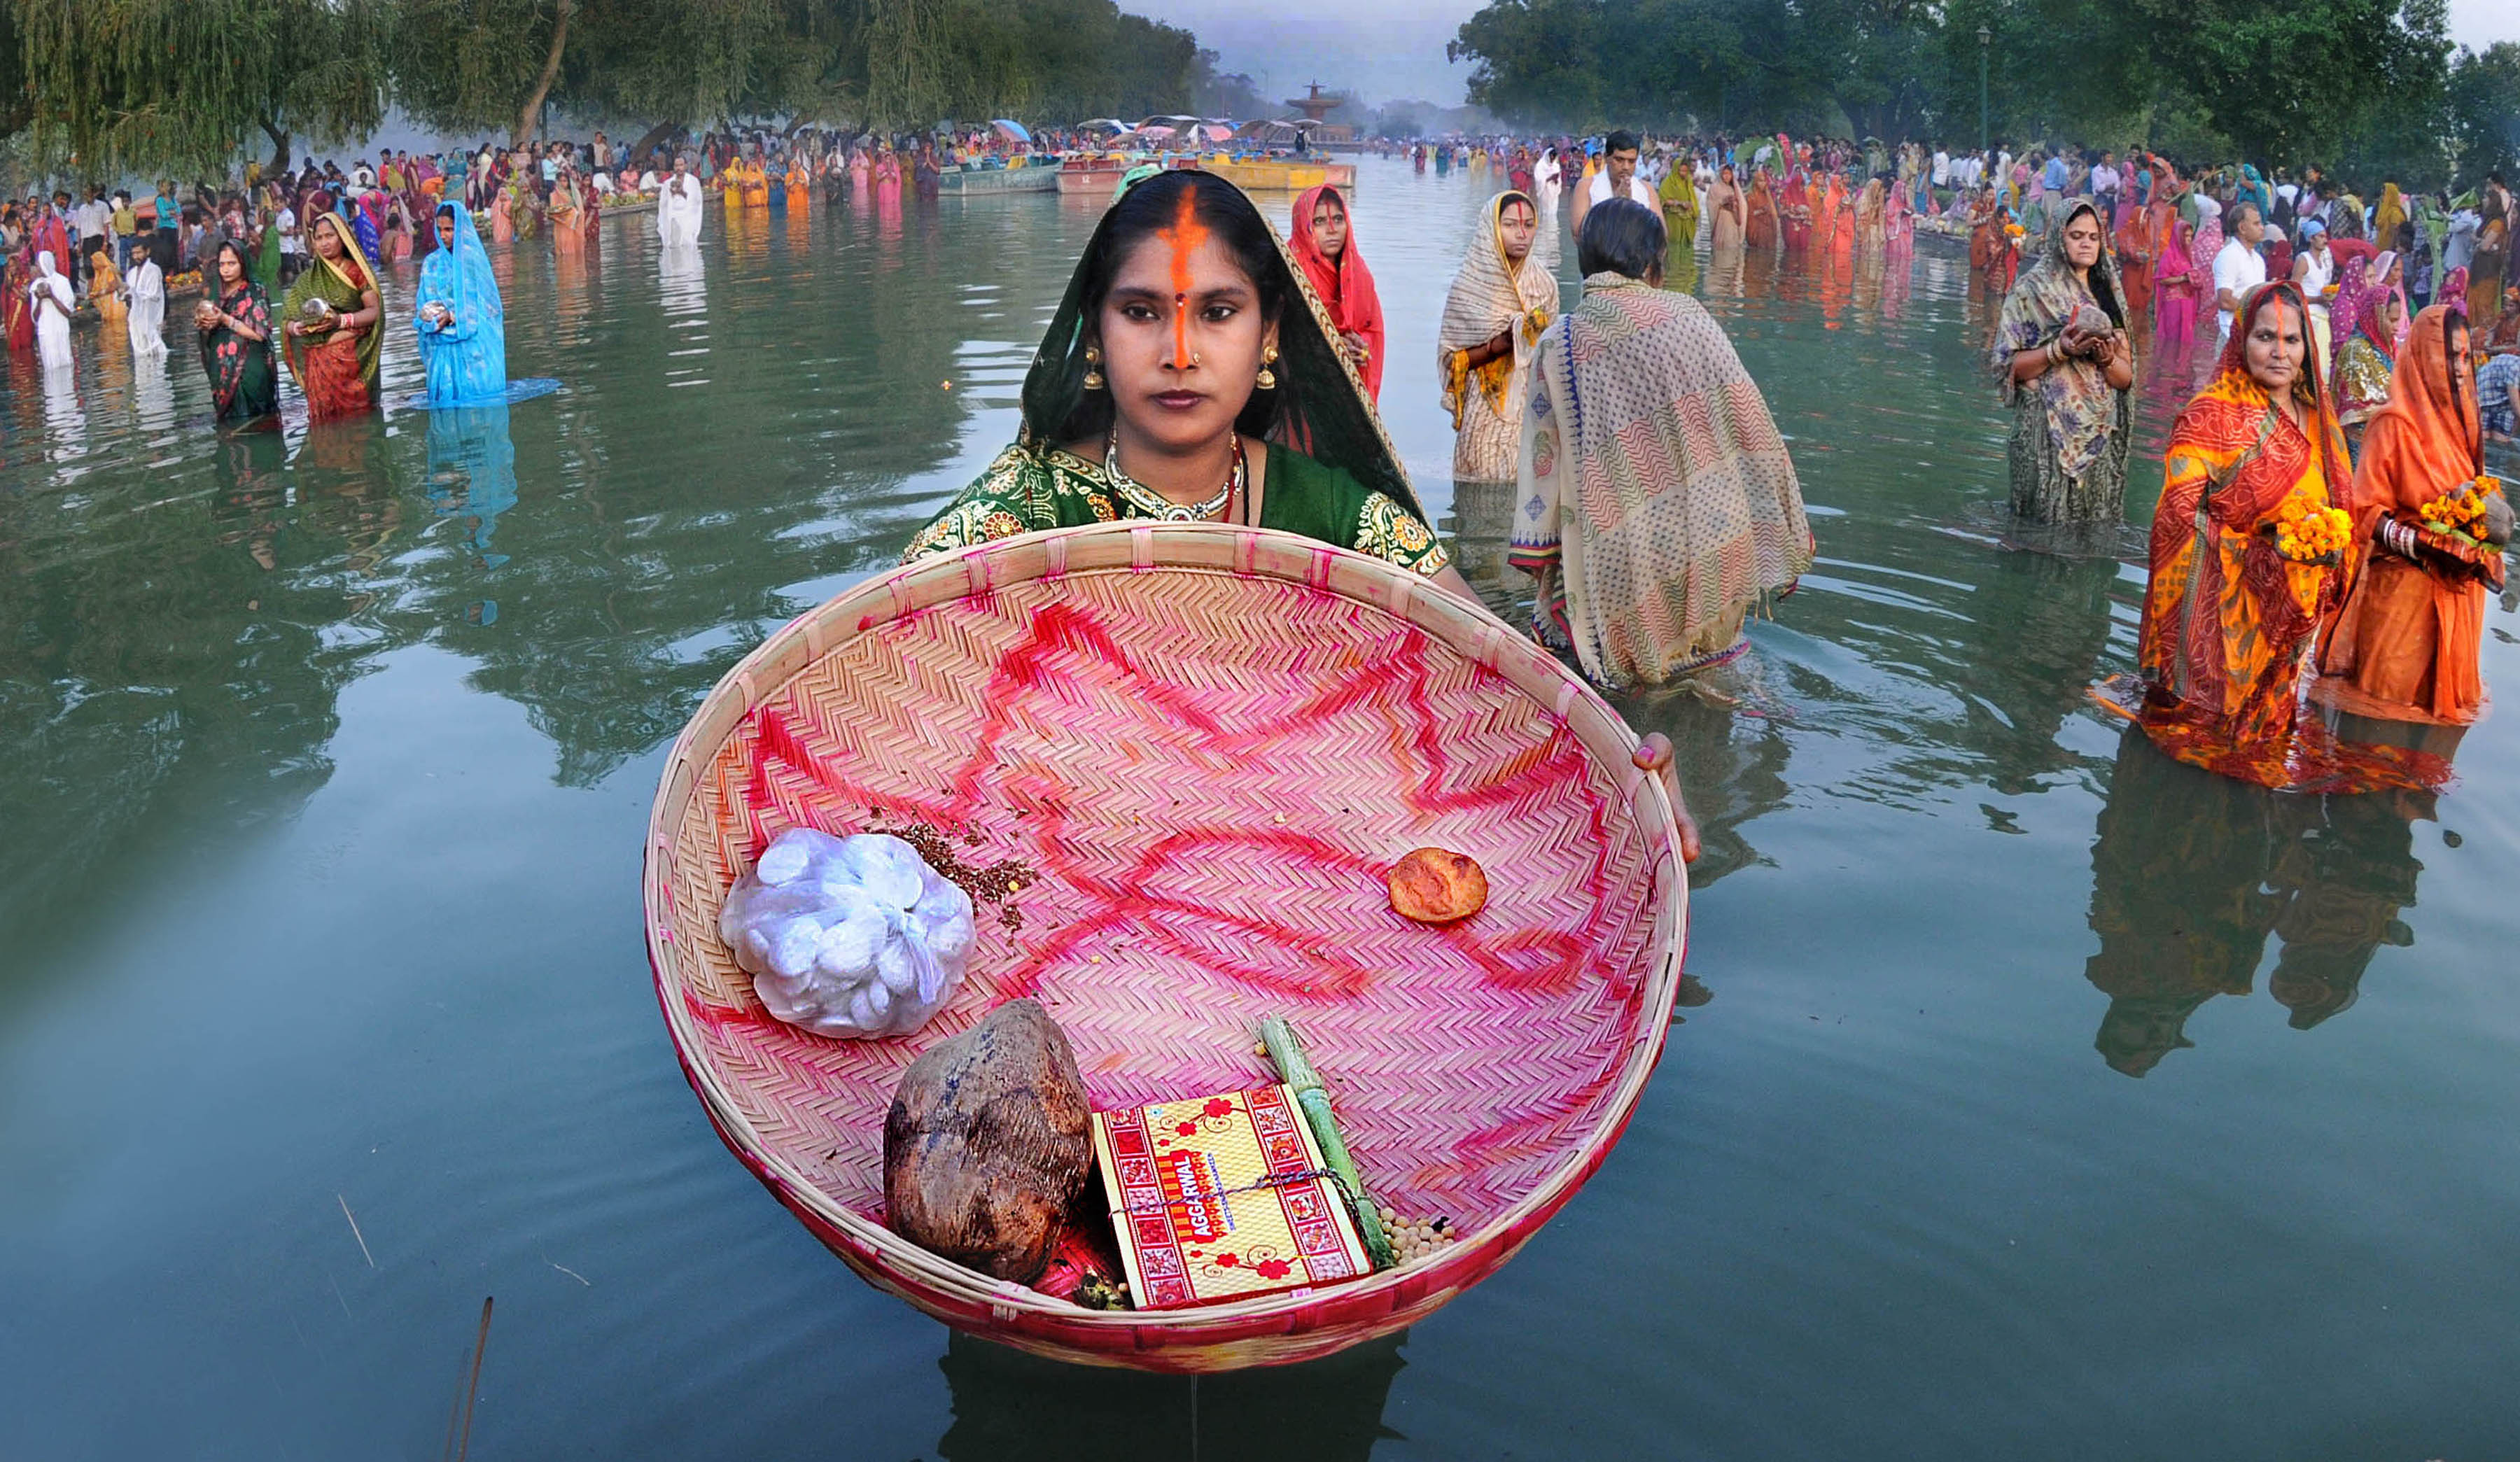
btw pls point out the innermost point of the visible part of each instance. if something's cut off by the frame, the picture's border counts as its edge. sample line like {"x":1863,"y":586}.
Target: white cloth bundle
{"x":849,"y":937}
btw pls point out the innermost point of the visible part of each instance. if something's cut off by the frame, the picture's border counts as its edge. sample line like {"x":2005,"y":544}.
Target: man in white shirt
{"x":2314,"y":268}
{"x":2104,"y":184}
{"x":1616,"y":179}
{"x":2239,"y":267}
{"x":1942,"y":168}
{"x":291,"y":246}
{"x":94,"y":219}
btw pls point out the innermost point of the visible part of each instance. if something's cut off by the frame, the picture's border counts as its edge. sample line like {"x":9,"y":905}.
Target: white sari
{"x":146,"y":286}
{"x":52,"y":327}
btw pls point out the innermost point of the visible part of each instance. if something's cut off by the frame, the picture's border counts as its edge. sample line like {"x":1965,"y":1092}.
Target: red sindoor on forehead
{"x":1186,"y":236}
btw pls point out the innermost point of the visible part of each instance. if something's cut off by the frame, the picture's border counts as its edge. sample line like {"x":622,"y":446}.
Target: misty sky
{"x":1388,"y":49}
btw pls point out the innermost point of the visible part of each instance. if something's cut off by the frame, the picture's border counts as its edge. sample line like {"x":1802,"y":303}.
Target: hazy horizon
{"x":1395,"y":49}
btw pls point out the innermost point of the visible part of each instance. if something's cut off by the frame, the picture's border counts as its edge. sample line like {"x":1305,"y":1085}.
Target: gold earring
{"x":1268,"y":381}
{"x":1093,"y":369}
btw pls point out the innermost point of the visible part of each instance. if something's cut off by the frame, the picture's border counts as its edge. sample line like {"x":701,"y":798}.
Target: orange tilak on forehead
{"x":1186,"y":236}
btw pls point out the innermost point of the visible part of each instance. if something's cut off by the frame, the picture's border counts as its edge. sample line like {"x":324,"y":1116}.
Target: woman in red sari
{"x":1795,"y":214}
{"x":2406,"y":645}
{"x":2228,"y":616}
{"x":1761,"y":232}
{"x":1325,"y":247}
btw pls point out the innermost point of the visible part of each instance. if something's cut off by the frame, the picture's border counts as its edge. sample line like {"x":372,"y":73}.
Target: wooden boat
{"x":980,"y":180}
{"x":1280,"y":174}
{"x":1202,"y":746}
{"x":1097,"y":175}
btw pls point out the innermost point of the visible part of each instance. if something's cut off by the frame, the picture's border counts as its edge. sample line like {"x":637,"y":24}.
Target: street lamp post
{"x":1985,"y":42}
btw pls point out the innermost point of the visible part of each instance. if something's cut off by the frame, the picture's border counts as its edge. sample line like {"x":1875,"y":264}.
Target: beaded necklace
{"x":1154,"y":505}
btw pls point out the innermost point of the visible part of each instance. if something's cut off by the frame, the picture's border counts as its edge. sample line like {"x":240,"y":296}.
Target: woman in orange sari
{"x":2134,"y":245}
{"x":2406,"y":645}
{"x":2229,"y":617}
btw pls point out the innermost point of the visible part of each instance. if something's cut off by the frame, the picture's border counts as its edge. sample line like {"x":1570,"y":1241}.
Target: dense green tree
{"x":148,"y":85}
{"x":2280,"y":81}
{"x":2484,"y":106}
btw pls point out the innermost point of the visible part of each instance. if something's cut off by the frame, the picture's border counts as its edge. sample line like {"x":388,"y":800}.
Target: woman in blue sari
{"x":462,"y":327}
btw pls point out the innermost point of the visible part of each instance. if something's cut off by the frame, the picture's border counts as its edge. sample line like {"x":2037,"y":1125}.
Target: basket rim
{"x":980,"y":569}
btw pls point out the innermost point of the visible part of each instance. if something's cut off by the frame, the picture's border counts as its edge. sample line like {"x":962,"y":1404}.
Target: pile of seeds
{"x":1413,"y":1239}
{"x":995,"y":883}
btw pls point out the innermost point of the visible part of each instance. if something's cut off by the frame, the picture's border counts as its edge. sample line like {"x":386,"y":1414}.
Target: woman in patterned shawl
{"x":2227,"y":618}
{"x":1659,"y":508}
{"x":1503,"y":298}
{"x":2066,"y":366}
{"x":1191,"y":375}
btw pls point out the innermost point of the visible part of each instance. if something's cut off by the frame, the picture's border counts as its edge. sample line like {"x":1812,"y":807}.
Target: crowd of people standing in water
{"x":2327,"y":530}
{"x":287,"y":266}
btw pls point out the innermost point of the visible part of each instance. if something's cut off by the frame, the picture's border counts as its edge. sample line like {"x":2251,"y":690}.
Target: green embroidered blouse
{"x":1029,"y":490}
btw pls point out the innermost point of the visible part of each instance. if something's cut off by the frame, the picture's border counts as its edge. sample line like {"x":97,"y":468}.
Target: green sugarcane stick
{"x":1295,"y":1068}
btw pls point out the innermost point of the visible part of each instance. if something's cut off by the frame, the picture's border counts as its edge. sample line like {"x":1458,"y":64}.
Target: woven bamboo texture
{"x":1205,"y":744}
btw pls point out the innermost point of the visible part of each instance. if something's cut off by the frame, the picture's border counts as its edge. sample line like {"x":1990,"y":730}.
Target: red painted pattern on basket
{"x":1209,"y":812}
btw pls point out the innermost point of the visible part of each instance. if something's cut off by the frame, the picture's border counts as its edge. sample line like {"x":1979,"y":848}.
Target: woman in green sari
{"x":1188,"y":360}
{"x":331,"y":346}
{"x":1183,"y":372}
{"x":266,"y":251}
{"x":1679,"y":194}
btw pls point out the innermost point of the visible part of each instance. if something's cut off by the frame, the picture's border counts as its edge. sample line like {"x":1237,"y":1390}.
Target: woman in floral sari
{"x":2066,"y":366}
{"x":333,"y":351}
{"x":1659,"y":505}
{"x":1501,"y":300}
{"x":2406,"y":645}
{"x":2229,"y":618}
{"x":235,"y":327}
{"x":1150,"y":400}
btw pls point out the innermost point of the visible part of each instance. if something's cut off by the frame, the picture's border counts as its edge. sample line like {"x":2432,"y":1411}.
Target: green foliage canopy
{"x":2367,"y":84}
{"x":149,"y":86}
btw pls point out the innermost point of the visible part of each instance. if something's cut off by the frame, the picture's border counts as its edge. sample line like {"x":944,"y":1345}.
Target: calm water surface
{"x":2054,"y":1101}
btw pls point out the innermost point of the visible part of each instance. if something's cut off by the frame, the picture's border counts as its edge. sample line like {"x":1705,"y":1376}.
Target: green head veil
{"x":1320,"y":407}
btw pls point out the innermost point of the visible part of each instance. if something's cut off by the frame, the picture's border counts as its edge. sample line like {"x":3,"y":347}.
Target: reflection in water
{"x":64,"y":419}
{"x":1011,"y":1405}
{"x":2192,"y":872}
{"x":473,"y":477}
{"x":153,"y":397}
